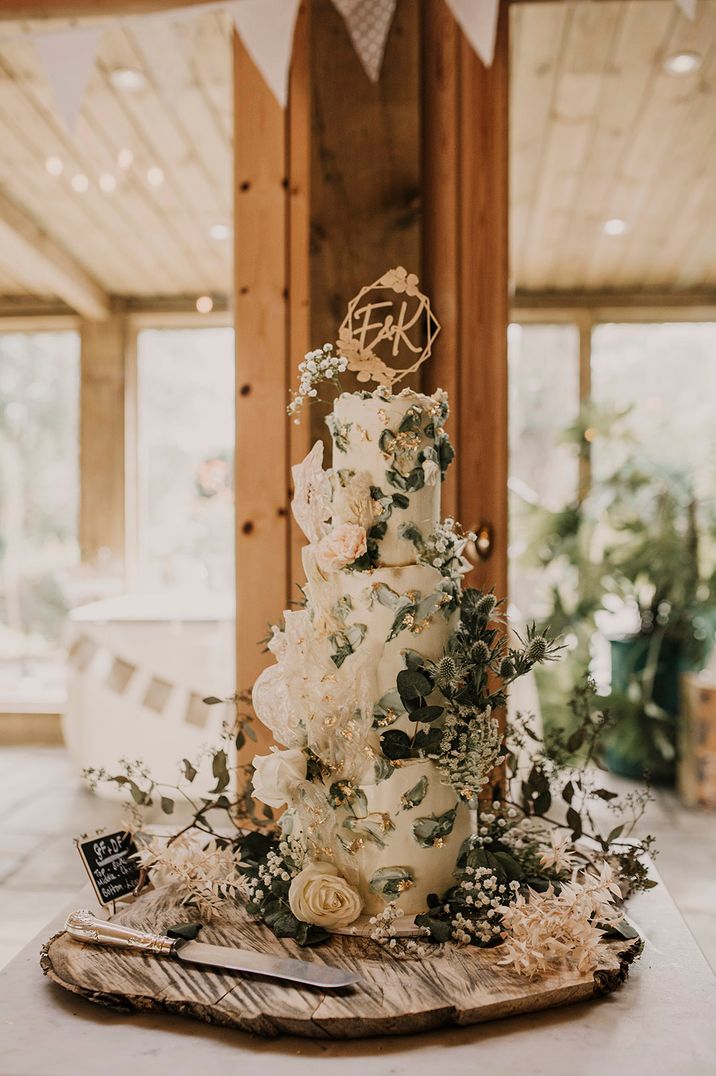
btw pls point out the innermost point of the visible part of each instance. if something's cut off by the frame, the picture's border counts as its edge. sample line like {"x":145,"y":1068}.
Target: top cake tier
{"x":398,"y":445}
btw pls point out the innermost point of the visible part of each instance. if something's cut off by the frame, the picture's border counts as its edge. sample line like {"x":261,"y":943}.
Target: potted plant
{"x":636,"y":568}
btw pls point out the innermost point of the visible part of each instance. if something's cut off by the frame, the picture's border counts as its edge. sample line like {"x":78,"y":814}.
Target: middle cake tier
{"x":381,"y":614}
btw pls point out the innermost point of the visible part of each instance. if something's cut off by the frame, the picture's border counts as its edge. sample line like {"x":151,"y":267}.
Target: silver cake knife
{"x":85,"y":927}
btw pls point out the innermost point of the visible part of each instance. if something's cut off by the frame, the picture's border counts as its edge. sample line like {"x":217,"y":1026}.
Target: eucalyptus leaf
{"x":415,"y":795}
{"x":392,"y":881}
{"x":431,"y":830}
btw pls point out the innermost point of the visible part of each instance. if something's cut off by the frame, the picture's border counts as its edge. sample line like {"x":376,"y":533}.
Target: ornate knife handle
{"x":85,"y":927}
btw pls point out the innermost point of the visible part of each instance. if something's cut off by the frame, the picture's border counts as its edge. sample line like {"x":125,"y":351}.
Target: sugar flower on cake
{"x":341,"y":547}
{"x":271,"y":701}
{"x":319,"y":895}
{"x":278,"y":775}
{"x":353,"y":500}
{"x":311,"y":505}
{"x":431,"y":472}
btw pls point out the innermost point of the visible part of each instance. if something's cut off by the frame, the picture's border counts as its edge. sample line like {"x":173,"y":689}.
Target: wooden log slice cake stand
{"x":400,"y":994}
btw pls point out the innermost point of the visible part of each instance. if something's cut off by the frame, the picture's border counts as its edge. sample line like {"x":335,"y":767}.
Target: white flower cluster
{"x":290,"y":852}
{"x":545,"y":931}
{"x":485,"y":896}
{"x":317,"y":366}
{"x":382,"y":925}
{"x":445,"y":547}
{"x":470,"y":748}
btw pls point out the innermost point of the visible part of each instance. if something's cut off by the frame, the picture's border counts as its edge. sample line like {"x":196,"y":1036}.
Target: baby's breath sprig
{"x":317,"y":366}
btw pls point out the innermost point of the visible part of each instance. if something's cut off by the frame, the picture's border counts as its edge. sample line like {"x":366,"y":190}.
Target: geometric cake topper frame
{"x":385,"y":320}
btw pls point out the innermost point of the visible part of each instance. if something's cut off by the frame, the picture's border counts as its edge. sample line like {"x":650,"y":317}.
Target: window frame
{"x":136,"y":322}
{"x":604,"y":310}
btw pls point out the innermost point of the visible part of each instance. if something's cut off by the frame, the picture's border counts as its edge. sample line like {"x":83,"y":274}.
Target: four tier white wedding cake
{"x":353,"y":695}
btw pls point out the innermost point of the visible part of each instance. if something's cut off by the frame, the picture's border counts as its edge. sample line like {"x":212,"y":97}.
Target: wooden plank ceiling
{"x":601,"y":131}
{"x":138,"y":239}
{"x":598,"y":131}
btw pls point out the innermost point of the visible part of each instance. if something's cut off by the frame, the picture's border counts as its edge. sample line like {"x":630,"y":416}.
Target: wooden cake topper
{"x":387,"y":319}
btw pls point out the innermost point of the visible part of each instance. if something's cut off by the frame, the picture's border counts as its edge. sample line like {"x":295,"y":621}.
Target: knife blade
{"x":84,"y":927}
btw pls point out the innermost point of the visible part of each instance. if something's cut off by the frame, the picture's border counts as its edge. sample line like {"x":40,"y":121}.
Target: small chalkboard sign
{"x":111,"y":861}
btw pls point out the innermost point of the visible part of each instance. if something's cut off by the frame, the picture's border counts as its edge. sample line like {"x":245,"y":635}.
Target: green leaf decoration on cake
{"x":400,"y":501}
{"x":384,"y":594}
{"x":446,"y":453}
{"x":346,"y":642}
{"x":415,"y":795}
{"x":404,"y":616}
{"x":410,"y":533}
{"x":339,"y":432}
{"x":429,"y":606}
{"x":431,"y":832}
{"x":384,"y":769}
{"x":392,"y":881}
{"x":387,"y":710}
{"x":371,"y":828}
{"x":411,"y":420}
{"x":347,"y":794}
{"x":386,"y":441}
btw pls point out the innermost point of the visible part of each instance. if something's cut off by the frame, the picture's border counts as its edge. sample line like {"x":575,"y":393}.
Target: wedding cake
{"x":353,"y":695}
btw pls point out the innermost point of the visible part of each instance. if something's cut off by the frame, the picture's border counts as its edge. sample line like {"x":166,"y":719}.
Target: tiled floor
{"x":43,"y":806}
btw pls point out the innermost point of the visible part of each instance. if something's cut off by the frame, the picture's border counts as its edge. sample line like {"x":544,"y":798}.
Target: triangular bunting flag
{"x":68,"y":59}
{"x":368,"y":23}
{"x":266,"y":29}
{"x":688,"y":7}
{"x":478,"y":22}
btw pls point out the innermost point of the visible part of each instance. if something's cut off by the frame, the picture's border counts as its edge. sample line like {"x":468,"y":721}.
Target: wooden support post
{"x":365,"y":166}
{"x":465,"y":269}
{"x":271,"y":312}
{"x":102,"y":433}
{"x":261,"y":343}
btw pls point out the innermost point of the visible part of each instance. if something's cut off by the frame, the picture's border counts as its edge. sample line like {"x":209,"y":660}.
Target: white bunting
{"x":478,"y":22}
{"x":68,"y":59}
{"x":368,"y":23}
{"x":688,"y":7}
{"x":266,"y":29}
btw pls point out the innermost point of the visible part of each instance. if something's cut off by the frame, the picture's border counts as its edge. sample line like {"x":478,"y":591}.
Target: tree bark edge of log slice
{"x":452,"y":986}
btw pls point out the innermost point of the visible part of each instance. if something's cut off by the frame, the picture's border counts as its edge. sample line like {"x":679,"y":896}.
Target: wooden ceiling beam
{"x":39,"y":257}
{"x":84,"y":9}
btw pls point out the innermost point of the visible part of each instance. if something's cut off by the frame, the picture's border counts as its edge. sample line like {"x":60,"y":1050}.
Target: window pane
{"x":665,"y":375}
{"x":39,"y":492}
{"x":185,"y":458}
{"x":543,"y":402}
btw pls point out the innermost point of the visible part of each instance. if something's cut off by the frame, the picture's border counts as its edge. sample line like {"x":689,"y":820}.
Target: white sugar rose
{"x":311,"y":505}
{"x":353,"y":501}
{"x":431,"y":471}
{"x":319,"y":895}
{"x":341,"y":546}
{"x":276,"y":775}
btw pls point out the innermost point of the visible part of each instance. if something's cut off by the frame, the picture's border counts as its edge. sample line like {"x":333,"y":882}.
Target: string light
{"x":682,"y":63}
{"x":125,"y":158}
{"x":128,"y":79}
{"x":614,"y":226}
{"x":220,"y":231}
{"x":204,"y":304}
{"x":107,"y":182}
{"x":155,"y":176}
{"x":80,"y":183}
{"x":54,"y":166}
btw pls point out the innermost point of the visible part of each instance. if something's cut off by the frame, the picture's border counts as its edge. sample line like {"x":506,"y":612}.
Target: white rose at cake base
{"x":278,"y":775}
{"x":319,"y":895}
